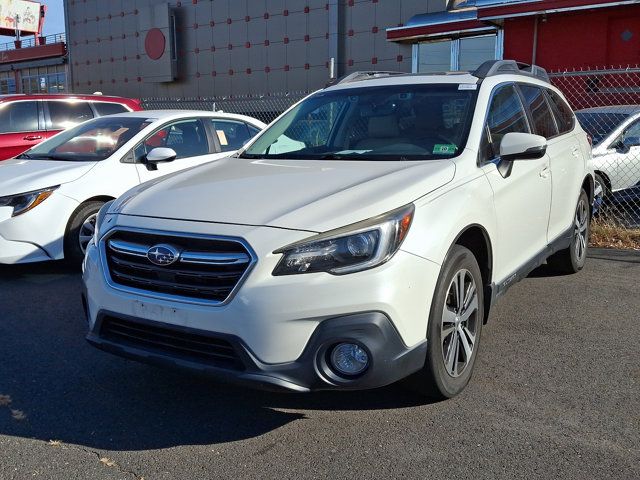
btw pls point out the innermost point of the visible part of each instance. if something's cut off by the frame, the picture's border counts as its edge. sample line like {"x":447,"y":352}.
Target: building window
{"x":466,"y":53}
{"x":48,"y":79}
{"x":7,"y":83}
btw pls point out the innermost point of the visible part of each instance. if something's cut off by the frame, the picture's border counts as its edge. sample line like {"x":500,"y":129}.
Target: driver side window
{"x":506,"y":114}
{"x":188,"y":138}
{"x":631,"y":136}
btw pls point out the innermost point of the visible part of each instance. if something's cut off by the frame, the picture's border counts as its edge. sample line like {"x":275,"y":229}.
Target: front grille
{"x":205,"y":269}
{"x":200,"y":348}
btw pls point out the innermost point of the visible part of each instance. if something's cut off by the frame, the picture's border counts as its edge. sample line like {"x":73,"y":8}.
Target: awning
{"x":437,"y":24}
{"x":478,"y":16}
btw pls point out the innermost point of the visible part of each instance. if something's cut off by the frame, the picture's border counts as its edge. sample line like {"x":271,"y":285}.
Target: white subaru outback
{"x":360,"y":239}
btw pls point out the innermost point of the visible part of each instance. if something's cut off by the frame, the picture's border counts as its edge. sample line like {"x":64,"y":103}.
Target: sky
{"x":54,"y":21}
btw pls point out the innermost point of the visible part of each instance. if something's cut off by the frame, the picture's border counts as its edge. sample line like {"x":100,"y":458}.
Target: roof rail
{"x":497,"y":67}
{"x":359,"y":76}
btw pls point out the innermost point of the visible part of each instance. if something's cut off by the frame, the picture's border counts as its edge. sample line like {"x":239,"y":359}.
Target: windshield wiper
{"x":49,"y":156}
{"x":24,"y":155}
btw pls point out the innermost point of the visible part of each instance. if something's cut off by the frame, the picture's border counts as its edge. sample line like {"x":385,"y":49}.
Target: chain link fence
{"x":263,"y":107}
{"x":607,"y":104}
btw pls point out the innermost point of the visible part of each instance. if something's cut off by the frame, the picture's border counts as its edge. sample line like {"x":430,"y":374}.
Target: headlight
{"x":23,"y":202}
{"x":102,"y":213}
{"x":349,"y":249}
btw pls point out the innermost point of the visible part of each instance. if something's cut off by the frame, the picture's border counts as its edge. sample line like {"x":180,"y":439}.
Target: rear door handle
{"x":31,"y":138}
{"x":544,"y":173}
{"x":575,"y":151}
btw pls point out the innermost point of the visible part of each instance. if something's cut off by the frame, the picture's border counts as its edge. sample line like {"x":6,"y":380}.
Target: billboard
{"x":19,"y":14}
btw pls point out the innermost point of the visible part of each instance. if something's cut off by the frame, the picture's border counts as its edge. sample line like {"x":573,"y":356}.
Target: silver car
{"x":615,"y":131}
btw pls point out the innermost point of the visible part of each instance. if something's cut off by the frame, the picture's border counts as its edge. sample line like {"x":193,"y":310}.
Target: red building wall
{"x":607,"y":37}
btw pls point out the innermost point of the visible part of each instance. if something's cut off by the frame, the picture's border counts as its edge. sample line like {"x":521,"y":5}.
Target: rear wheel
{"x":572,"y":259}
{"x":455,"y":325}
{"x":80,"y":231}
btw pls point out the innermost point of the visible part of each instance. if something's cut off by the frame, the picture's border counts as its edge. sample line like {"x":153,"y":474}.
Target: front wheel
{"x":572,"y":259}
{"x":80,"y":231}
{"x":455,"y":325}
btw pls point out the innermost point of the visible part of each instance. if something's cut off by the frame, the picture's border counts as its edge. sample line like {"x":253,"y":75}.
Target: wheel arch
{"x":476,"y":238}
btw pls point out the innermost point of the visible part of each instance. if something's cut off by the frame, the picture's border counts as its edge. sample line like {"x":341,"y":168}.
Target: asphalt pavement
{"x":556,"y":394}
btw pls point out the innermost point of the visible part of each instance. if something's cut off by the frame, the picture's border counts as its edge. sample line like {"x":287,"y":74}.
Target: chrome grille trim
{"x":199,"y":258}
{"x":203,"y":258}
{"x":184,"y":269}
{"x":128,"y":248}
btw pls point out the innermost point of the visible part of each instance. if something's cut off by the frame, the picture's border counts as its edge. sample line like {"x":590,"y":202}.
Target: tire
{"x":572,"y":259}
{"x":79,"y":224}
{"x":446,"y":372}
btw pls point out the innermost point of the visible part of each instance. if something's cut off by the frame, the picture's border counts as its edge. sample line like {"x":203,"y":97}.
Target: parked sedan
{"x":615,"y":131}
{"x":50,"y":195}
{"x":27,"y":120}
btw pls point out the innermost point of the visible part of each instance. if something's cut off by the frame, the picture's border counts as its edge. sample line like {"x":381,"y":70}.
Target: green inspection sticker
{"x":444,"y":149}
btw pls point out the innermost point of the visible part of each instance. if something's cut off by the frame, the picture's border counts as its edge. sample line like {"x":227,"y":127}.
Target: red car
{"x":26,"y":120}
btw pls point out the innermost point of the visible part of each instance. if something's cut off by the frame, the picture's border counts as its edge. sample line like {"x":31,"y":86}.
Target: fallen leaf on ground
{"x":108,"y":462}
{"x":5,"y":400}
{"x":55,"y":443}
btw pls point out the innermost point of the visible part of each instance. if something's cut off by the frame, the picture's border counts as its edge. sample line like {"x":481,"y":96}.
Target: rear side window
{"x":563,"y":113}
{"x":232,"y":135}
{"x":68,"y":114}
{"x":506,"y":114}
{"x":19,"y":117}
{"x":543,"y":122}
{"x":107,"y":108}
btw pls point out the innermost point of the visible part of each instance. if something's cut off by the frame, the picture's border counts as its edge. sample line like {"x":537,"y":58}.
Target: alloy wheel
{"x":87,"y":229}
{"x":459,"y":323}
{"x":581,"y":227}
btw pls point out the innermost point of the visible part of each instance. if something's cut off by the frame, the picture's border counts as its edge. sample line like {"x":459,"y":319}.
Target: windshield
{"x":91,"y":141}
{"x":600,"y":125}
{"x":398,"y":122}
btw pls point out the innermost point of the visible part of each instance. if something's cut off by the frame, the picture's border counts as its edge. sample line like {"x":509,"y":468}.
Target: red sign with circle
{"x":154,"y":43}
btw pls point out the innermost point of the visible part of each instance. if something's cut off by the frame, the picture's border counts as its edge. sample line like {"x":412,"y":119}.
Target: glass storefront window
{"x":43,"y":83}
{"x":434,"y":56}
{"x":476,"y":50}
{"x":465,"y":53}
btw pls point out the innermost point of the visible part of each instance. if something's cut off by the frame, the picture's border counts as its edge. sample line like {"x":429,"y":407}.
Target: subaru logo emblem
{"x":163,"y":255}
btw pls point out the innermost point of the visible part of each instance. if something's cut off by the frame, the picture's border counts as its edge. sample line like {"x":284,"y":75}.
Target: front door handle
{"x":544,"y":173}
{"x":32,"y":138}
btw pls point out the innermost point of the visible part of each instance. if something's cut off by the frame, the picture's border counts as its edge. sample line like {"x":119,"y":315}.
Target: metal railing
{"x":30,"y":41}
{"x":607,"y":104}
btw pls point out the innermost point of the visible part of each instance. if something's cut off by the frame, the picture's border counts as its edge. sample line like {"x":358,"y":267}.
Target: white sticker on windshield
{"x":468,"y":86}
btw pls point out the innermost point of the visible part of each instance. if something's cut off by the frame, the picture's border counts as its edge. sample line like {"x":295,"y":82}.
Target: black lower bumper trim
{"x":390,"y":359}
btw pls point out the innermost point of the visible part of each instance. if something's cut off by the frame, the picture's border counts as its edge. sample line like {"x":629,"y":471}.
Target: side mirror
{"x":159,"y":155}
{"x":520,"y":146}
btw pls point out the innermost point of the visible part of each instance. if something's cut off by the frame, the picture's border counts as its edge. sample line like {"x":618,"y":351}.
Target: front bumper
{"x":390,"y":359}
{"x":275,"y":321}
{"x":38,"y":234}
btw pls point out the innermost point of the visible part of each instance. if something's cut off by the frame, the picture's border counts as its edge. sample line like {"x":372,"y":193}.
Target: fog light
{"x":349,"y":359}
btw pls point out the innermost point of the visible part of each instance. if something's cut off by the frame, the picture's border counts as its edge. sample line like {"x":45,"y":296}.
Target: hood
{"x":19,"y":176}
{"x":294,"y":194}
